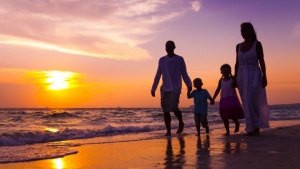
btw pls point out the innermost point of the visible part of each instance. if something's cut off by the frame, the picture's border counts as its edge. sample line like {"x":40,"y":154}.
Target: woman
{"x":250,"y":71}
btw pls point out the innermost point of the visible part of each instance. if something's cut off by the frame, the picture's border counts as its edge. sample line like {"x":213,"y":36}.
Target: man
{"x":172,"y":69}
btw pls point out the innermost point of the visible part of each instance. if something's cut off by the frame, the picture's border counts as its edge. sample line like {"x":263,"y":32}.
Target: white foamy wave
{"x":33,"y":152}
{"x":23,"y":138}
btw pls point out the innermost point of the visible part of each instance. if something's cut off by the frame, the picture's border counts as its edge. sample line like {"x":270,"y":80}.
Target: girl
{"x":230,"y":106}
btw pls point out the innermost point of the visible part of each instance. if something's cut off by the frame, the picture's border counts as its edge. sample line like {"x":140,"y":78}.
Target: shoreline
{"x":277,"y":147}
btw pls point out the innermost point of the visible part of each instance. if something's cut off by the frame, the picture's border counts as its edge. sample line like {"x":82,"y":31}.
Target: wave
{"x":61,"y":115}
{"x":23,"y":138}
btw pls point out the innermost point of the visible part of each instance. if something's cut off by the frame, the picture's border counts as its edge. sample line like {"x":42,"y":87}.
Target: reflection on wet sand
{"x":176,"y":160}
{"x":203,"y":152}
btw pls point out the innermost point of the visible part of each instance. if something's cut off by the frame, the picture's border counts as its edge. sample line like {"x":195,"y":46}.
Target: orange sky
{"x":112,"y":48}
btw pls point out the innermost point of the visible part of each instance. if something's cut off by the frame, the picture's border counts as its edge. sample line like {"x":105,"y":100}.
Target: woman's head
{"x":225,"y":70}
{"x":247,"y":31}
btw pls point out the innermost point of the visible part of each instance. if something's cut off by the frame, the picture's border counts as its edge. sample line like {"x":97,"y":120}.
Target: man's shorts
{"x":200,"y":119}
{"x":169,"y":101}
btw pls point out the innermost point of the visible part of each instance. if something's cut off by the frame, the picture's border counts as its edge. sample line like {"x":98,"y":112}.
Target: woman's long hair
{"x":250,"y":27}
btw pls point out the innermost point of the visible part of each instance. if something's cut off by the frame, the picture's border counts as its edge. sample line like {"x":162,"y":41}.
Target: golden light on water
{"x":54,"y":130}
{"x":58,"y":80}
{"x":58,"y":163}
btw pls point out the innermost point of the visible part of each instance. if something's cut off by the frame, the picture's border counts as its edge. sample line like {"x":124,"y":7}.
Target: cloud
{"x":196,"y":5}
{"x":106,"y":29}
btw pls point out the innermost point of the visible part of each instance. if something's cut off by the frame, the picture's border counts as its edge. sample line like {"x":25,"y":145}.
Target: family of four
{"x":249,"y":77}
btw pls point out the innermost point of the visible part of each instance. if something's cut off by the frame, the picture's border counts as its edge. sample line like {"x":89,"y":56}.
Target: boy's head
{"x":197,"y":83}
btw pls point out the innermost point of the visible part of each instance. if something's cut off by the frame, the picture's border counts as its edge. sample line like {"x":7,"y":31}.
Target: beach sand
{"x":276,"y":148}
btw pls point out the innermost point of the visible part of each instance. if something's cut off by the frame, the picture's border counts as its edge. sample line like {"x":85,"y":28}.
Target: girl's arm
{"x":217,"y":90}
{"x":260,"y":54}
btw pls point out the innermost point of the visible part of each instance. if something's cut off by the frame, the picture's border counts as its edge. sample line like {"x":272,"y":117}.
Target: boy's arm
{"x":209,"y":98}
{"x":212,"y":101}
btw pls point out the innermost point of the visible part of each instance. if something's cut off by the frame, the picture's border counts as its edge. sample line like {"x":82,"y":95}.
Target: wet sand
{"x":276,"y":148}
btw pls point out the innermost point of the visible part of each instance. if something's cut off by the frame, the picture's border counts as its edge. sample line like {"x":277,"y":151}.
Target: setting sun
{"x":58,"y":80}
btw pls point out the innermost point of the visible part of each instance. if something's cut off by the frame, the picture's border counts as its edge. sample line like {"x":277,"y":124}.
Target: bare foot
{"x":167,"y":134}
{"x":256,"y":131}
{"x":237,"y":128}
{"x":180,"y":128}
{"x":226,"y":134}
{"x":248,"y":134}
{"x":207,"y":129}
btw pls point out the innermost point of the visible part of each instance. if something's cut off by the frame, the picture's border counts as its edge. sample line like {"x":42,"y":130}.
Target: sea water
{"x":34,"y":133}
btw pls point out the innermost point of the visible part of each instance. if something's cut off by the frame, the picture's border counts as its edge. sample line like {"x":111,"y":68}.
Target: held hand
{"x":188,"y":92}
{"x":264,"y":82}
{"x":153,"y":93}
{"x":234,"y":83}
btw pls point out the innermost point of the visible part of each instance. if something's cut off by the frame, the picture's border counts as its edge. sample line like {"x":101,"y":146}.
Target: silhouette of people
{"x":229,"y":106}
{"x":200,"y":105}
{"x":250,"y":71}
{"x":172,"y":68}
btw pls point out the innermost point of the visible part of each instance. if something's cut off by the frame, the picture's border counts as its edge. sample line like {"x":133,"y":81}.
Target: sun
{"x":59,"y":80}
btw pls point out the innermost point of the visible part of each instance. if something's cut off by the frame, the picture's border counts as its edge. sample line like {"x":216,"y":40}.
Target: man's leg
{"x":178,"y":114}
{"x":167,"y":119}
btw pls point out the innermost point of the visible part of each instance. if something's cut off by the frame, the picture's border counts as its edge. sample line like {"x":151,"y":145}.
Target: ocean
{"x":28,"y":134}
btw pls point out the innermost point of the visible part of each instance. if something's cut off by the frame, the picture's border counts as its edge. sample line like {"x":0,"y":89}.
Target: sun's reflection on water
{"x":58,"y":163}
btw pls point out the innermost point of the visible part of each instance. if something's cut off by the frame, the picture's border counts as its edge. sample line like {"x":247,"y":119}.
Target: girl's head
{"x":197,"y":83}
{"x":226,"y":70}
{"x":247,"y":31}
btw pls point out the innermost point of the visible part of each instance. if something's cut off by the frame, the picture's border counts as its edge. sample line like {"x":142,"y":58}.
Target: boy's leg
{"x":204,"y":122}
{"x":237,"y":125}
{"x":197,"y":120}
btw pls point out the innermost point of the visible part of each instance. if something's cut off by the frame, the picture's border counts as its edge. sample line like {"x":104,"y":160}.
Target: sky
{"x":104,"y":54}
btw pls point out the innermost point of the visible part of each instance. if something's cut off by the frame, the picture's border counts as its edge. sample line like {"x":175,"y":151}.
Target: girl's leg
{"x":237,"y":125}
{"x":226,"y":124}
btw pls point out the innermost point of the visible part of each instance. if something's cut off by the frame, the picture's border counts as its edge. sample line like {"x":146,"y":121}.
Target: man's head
{"x":170,"y":46}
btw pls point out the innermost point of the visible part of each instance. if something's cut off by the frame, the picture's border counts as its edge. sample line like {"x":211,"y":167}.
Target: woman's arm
{"x":217,"y":90}
{"x":236,"y":67}
{"x":260,"y":55}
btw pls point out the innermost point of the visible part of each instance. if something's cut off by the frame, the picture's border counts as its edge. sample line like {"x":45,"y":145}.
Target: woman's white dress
{"x":253,"y":95}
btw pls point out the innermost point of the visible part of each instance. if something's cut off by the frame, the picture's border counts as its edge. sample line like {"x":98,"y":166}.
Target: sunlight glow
{"x":51,"y":129}
{"x":58,"y":163}
{"x":58,"y":80}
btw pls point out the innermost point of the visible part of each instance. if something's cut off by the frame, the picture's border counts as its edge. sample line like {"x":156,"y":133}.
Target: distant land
{"x":286,"y":105}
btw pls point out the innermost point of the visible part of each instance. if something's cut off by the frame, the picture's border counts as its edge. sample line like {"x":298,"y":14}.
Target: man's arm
{"x":156,"y":81}
{"x":185,"y":76}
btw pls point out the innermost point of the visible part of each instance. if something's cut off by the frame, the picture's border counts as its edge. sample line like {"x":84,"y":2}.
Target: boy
{"x":200,"y":105}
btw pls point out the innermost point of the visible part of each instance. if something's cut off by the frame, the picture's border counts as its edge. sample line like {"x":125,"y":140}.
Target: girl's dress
{"x":252,"y":93}
{"x":230,"y":106}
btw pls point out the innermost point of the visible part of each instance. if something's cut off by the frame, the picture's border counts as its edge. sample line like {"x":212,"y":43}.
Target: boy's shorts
{"x":169,"y":101}
{"x":200,"y":119}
